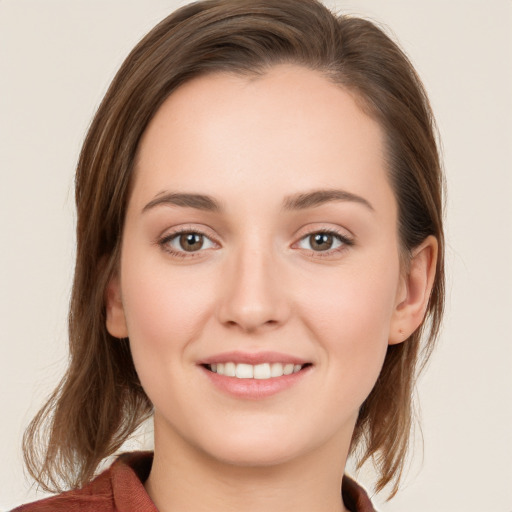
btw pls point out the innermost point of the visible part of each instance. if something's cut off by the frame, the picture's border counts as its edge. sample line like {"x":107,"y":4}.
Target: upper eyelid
{"x":332,"y":231}
{"x":207,"y":232}
{"x":170,"y":233}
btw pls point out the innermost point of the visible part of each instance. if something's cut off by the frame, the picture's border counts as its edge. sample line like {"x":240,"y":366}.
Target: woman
{"x":259,"y":247}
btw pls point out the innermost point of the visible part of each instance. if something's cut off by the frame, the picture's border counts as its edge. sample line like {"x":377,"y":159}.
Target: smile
{"x":255,"y":376}
{"x":261,"y":371}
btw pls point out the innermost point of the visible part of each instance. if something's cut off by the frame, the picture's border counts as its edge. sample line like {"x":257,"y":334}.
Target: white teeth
{"x":243,"y":371}
{"x":260,"y":371}
{"x":288,"y":369}
{"x":229,"y":369}
{"x":276,"y":370}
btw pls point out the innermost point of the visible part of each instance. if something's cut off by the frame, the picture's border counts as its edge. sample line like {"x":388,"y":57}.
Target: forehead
{"x":287,"y":130}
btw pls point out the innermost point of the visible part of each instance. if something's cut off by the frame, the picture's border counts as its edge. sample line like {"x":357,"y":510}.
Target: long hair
{"x":100,"y":401}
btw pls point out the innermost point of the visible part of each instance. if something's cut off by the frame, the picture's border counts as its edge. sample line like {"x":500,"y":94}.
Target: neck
{"x":185,"y":479}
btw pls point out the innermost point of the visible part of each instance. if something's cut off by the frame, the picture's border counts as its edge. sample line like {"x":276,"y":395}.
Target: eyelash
{"x":342,"y":238}
{"x":164,"y":242}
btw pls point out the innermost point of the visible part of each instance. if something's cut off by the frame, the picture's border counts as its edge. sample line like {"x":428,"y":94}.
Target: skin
{"x":258,"y":284}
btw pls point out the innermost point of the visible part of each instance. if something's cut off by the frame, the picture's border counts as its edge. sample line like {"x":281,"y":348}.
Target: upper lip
{"x":252,"y":358}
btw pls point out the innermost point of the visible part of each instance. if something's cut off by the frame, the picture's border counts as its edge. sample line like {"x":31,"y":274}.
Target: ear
{"x":116,"y":321}
{"x":414,"y":291}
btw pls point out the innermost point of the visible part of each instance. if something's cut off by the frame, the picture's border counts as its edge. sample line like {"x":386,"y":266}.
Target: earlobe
{"x":415,"y":291}
{"x":116,"y":321}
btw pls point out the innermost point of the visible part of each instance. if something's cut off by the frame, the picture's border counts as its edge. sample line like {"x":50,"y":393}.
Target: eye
{"x":323,"y":241}
{"x":187,"y":241}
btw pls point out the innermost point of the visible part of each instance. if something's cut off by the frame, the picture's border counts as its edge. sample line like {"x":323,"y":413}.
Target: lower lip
{"x":255,"y":389}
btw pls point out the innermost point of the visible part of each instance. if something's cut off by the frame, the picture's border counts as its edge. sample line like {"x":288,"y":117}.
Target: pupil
{"x":321,"y":241}
{"x":191,"y":241}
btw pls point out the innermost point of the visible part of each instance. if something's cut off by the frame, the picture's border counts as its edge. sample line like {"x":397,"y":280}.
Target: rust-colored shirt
{"x":121,"y":489}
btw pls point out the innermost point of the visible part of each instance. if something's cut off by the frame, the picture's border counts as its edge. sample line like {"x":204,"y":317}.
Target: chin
{"x":271,"y":448}
{"x":256,"y":456}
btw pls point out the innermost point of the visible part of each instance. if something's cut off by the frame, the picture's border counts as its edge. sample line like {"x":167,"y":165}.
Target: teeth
{"x":288,"y":369}
{"x":262,"y":371}
{"x":243,"y":371}
{"x":276,"y":370}
{"x":259,"y":371}
{"x":229,"y":369}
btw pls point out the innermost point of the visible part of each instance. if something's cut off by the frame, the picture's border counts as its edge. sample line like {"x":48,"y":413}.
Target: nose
{"x":253,"y":295}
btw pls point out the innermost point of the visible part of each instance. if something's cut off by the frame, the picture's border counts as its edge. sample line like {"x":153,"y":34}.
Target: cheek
{"x":164,"y":310}
{"x":356,"y":303}
{"x":351,"y":317}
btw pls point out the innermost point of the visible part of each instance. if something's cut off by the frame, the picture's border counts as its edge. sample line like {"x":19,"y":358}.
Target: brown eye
{"x":186,"y":242}
{"x":191,"y":242}
{"x":324,"y":241}
{"x":321,"y":241}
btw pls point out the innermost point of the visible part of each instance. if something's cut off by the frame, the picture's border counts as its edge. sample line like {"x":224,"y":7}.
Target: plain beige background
{"x":56,"y":60}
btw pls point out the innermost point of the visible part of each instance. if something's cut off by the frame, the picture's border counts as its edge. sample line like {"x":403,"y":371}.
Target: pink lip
{"x":252,"y":358}
{"x":254,"y":389}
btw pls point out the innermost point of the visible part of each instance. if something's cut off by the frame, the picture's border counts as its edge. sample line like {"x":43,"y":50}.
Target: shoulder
{"x":112,"y":490}
{"x":96,"y":496}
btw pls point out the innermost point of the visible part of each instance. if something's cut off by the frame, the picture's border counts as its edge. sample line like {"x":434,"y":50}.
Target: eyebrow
{"x":320,"y":197}
{"x":300,"y":201}
{"x":197,"y":201}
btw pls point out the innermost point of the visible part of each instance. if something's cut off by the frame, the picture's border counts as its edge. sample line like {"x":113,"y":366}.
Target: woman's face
{"x":260,"y":238}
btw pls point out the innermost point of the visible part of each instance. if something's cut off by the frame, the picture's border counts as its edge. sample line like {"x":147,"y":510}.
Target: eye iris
{"x":321,"y":241}
{"x":191,"y":241}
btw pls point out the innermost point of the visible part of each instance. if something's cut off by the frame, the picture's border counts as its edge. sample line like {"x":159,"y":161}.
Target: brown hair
{"x":100,"y":401}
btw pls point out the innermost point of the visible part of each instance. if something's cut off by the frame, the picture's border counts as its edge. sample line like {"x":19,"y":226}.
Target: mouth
{"x":261,"y":371}
{"x":255,"y":376}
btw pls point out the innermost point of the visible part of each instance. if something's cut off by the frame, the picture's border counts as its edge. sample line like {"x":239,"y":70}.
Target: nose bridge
{"x":253,"y":296}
